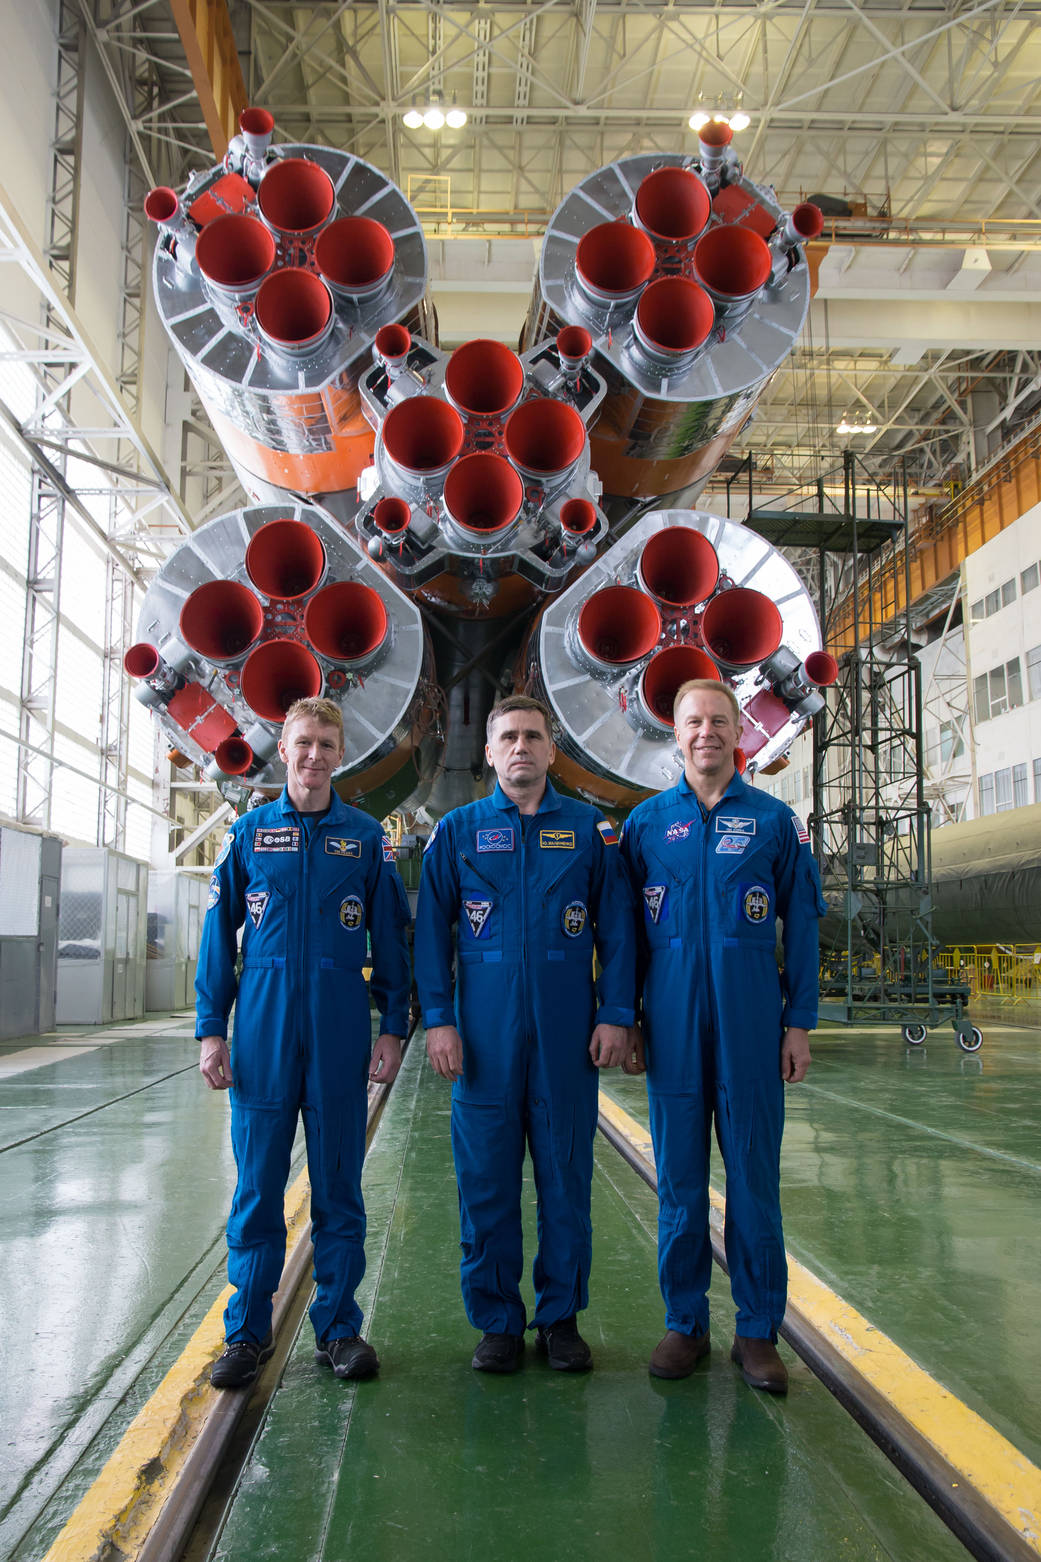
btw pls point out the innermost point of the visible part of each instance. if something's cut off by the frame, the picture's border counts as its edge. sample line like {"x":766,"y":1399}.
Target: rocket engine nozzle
{"x":672,"y":205}
{"x":574,"y":346}
{"x":577,"y":517}
{"x":679,"y":567}
{"x":346,"y":622}
{"x":617,"y":626}
{"x":544,"y":438}
{"x":673,"y":319}
{"x":821,"y":669}
{"x":233,"y":756}
{"x":483,"y":495}
{"x":732,"y":264}
{"x":714,"y":138}
{"x":740,"y":627}
{"x":663,"y":676}
{"x":161,"y":204}
{"x":235,"y":253}
{"x":294,"y":311}
{"x":613,"y":262}
{"x":392,"y":515}
{"x":391,"y":347}
{"x":285,"y":560}
{"x":257,"y":127}
{"x":296,"y":197}
{"x":355,"y":256}
{"x":276,"y":674}
{"x":221,"y":620}
{"x":484,"y":379}
{"x":423,"y":435}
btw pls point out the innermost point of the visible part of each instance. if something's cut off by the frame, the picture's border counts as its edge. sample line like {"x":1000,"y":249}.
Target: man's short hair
{"x":710,"y":686}
{"x":514,"y":702}
{"x":325,"y":712}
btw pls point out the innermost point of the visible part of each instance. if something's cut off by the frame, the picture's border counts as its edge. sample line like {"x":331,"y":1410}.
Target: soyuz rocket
{"x":429,"y":529}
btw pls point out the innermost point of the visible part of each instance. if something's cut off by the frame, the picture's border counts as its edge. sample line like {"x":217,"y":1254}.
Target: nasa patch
{"x":256,"y":905}
{"x":280,"y":838}
{"x":495,"y":840}
{"x":731,"y":845}
{"x":573,"y":920}
{"x":679,"y":830}
{"x":214,"y":895}
{"x":351,"y":913}
{"x":342,"y":846}
{"x":735,"y":824}
{"x":755,"y":903}
{"x":225,"y":848}
{"x":654,"y":898}
{"x":557,"y":840}
{"x":477,"y":913}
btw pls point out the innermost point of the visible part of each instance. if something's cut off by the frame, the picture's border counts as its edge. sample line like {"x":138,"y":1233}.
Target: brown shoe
{"x":761,"y":1366}
{"x":676,"y":1355}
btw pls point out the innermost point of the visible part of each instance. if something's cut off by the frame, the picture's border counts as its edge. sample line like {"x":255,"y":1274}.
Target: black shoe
{"x":499,"y":1353}
{"x":564,"y":1347}
{"x":351,"y":1357}
{"x":240,"y":1363}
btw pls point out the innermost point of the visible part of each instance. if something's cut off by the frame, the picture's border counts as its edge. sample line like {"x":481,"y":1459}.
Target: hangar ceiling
{"x":922,"y":116}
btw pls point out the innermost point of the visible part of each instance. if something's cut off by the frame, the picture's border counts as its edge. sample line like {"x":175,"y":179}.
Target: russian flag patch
{"x":607,"y":833}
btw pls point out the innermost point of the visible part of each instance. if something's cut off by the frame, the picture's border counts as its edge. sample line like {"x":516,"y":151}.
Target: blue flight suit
{"x":715,"y":1010}
{"x":531,"y":896}
{"x":308,"y":889}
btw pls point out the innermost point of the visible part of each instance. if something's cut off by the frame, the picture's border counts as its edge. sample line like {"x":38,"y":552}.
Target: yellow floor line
{"x":1005,"y":1478}
{"x":115,"y":1514}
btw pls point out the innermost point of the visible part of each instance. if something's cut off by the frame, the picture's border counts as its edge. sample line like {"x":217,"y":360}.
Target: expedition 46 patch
{"x":654,"y":900}
{"x":477,"y":913}
{"x":256,"y":905}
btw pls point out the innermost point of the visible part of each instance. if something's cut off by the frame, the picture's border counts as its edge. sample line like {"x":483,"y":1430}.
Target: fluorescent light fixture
{"x":846,"y":427}
{"x":434,"y":118}
{"x":455,"y":119}
{"x":698,"y":119}
{"x":414,"y":119}
{"x":740,"y":120}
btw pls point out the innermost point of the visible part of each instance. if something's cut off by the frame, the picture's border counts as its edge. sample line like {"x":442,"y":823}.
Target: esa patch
{"x":495,"y":841}
{"x":731,"y":845}
{"x":256,"y":905}
{"x":607,"y":833}
{"x":389,"y":854}
{"x":225,"y":848}
{"x":557,"y":840}
{"x":277,"y":838}
{"x":342,"y":846}
{"x":679,"y":830}
{"x":755,"y":903}
{"x":654,"y":898}
{"x":477,"y":914}
{"x":735,"y":824}
{"x":573,"y":920}
{"x":801,"y":830}
{"x":214,"y":895}
{"x":351,"y":913}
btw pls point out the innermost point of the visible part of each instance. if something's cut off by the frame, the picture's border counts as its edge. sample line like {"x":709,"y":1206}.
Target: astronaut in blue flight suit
{"x":714,"y":863}
{"x":307,"y":877}
{"x":532,"y":883}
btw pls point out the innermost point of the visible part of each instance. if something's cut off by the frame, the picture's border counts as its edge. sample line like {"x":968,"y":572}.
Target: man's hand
{"x":445,"y":1051}
{"x":609,"y":1046}
{"x":634,"y":1061}
{"x":386,"y":1059}
{"x":215,"y":1062}
{"x":795,"y":1054}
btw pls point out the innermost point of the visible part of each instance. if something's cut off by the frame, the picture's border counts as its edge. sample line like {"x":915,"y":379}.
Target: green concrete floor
{"x":435,"y":1461}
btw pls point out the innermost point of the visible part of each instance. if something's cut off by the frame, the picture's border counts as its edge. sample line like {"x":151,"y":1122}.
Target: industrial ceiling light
{"x":434,"y":117}
{"x":846,"y":427}
{"x":455,"y":119}
{"x":413,"y":119}
{"x":720,"y":115}
{"x":698,"y":119}
{"x":740,"y":120}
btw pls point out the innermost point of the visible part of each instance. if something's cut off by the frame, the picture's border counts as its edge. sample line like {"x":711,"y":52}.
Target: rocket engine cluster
{"x":416,"y":510}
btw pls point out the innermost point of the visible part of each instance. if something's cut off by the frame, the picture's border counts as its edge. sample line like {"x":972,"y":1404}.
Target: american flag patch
{"x":607,"y":833}
{"x":801,"y":830}
{"x":388,"y":850}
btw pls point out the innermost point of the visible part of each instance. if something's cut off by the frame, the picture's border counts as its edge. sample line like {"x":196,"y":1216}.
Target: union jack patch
{"x":388,"y":850}
{"x":607,"y":833}
{"x":801,"y":830}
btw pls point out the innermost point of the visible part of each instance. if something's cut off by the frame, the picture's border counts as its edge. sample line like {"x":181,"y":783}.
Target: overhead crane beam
{"x":209,"y":44}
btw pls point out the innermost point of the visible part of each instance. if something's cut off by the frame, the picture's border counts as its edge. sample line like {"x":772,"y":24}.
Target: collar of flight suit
{"x":736,"y":787}
{"x":549,"y":804}
{"x":334,"y":814}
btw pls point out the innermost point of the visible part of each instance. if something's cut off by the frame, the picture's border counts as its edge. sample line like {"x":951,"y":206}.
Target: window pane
{"x":1003,"y":789}
{"x":1008,"y":592}
{"x":1015,"y":684}
{"x":998,"y":702}
{"x":986,"y":794}
{"x":1037,"y":780}
{"x":982,"y":697}
{"x":1034,"y":673}
{"x":1029,"y":578}
{"x":977,"y":610}
{"x":993,"y":602}
{"x":1020,"y":792}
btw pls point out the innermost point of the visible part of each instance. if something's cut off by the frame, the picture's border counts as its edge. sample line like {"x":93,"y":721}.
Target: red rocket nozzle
{"x":221,"y":620}
{"x":235,"y":252}
{"x":664,"y":674}
{"x":355,"y":255}
{"x":256,"y":122}
{"x":716,"y":134}
{"x":275,"y":675}
{"x":346,"y":621}
{"x":294,"y":308}
{"x":483,"y":493}
{"x":141,"y":660}
{"x":574,"y":344}
{"x":679,"y":566}
{"x":740,"y":761}
{"x":392,"y":515}
{"x":392,"y":343}
{"x":614,"y":259}
{"x":234,"y":756}
{"x":675,"y":315}
{"x":619,"y":625}
{"x":422,"y":434}
{"x":577,"y":516}
{"x":484,"y":378}
{"x":732,"y":262}
{"x":808,"y":221}
{"x":821,"y":668}
{"x":296,"y":196}
{"x":673,"y":204}
{"x":544,"y":437}
{"x":740,"y":627}
{"x":161,"y":204}
{"x":285,"y":559}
